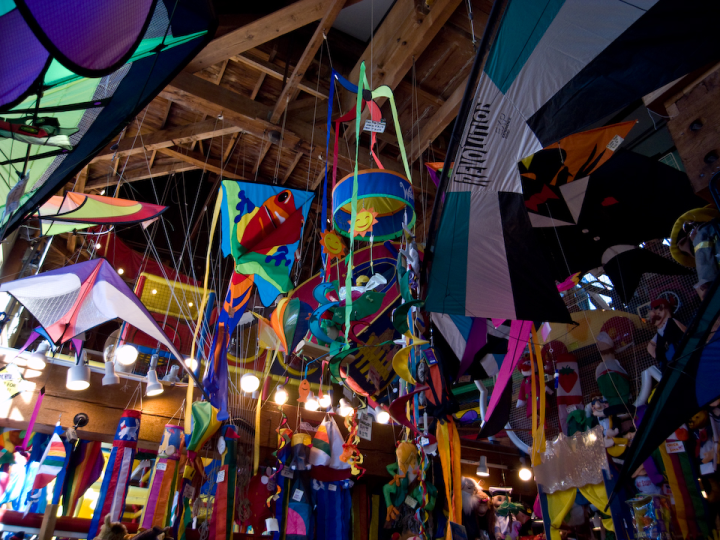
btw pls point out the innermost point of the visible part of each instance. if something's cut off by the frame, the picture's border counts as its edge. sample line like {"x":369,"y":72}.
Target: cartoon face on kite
{"x":364,"y":221}
{"x":257,"y":226}
{"x":332,"y":244}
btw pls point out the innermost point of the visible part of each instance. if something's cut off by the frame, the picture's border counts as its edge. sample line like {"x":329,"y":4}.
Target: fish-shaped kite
{"x":261,"y":228}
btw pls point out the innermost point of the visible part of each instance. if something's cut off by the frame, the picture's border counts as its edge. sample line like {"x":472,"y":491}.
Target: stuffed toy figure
{"x":611,"y":377}
{"x":669,"y":332}
{"x":525,"y":397}
{"x":694,"y":242}
{"x":478,"y":513}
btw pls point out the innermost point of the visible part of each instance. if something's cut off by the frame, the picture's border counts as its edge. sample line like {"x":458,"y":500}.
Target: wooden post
{"x":47,"y":529}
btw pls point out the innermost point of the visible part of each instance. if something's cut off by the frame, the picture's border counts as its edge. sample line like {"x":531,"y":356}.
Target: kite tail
{"x":216,"y":374}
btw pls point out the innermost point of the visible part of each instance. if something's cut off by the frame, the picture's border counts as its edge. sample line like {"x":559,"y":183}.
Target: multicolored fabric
{"x":52,"y":460}
{"x":85,"y":467}
{"x":163,"y":483}
{"x":73,"y":76}
{"x":116,"y":480}
{"x":555,"y":67}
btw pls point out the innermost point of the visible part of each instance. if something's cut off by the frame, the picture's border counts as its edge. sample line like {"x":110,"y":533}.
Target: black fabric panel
{"x":534,"y":291}
{"x":672,"y":39}
{"x":500,"y":416}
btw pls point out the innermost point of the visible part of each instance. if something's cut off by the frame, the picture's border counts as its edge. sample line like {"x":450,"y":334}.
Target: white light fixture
{"x":172,"y":375}
{"x":249,"y":383}
{"x":325,"y":401}
{"x":78,"y":376}
{"x":126,"y":354}
{"x":154,"y":387}
{"x":121,"y":271}
{"x":311,"y":403}
{"x":281,"y":395}
{"x":482,"y":468}
{"x":191,"y":363}
{"x":154,"y":291}
{"x":382,"y":416}
{"x":98,"y":246}
{"x":38,"y":359}
{"x":525,"y":474}
{"x":344,"y":408}
{"x":110,"y":377}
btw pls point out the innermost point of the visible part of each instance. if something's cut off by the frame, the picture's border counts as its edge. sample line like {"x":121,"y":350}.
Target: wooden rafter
{"x":272,"y":26}
{"x":263,"y":152}
{"x":271,"y":70}
{"x":290,"y":90}
{"x":142,"y":173}
{"x":200,"y":161}
{"x":291,"y":168}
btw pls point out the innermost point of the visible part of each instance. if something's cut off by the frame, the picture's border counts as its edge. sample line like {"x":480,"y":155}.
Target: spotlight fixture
{"x":525,"y":474}
{"x":172,"y":375}
{"x":382,"y":416}
{"x":154,"y":386}
{"x":249,"y":383}
{"x":38,"y":359}
{"x":110,"y":377}
{"x":191,"y":363}
{"x":78,"y":376}
{"x":482,"y":468}
{"x":344,"y":408}
{"x":281,"y":395}
{"x":121,"y":271}
{"x":312,"y":404}
{"x":126,"y":354}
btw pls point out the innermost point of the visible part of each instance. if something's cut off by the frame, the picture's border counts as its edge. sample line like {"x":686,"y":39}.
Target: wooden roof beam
{"x":290,"y":90}
{"x":261,"y":31}
{"x":141,"y":173}
{"x":168,"y":137}
{"x":200,"y":161}
{"x":271,"y":70}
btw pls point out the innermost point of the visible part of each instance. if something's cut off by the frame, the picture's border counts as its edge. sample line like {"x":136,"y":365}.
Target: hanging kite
{"x":261,"y":229}
{"x":71,"y":300}
{"x":72,"y":77}
{"x":75,"y":211}
{"x":553,"y":69}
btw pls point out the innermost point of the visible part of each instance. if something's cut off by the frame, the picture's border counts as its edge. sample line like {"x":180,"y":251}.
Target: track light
{"x":126,"y":354}
{"x":281,"y":395}
{"x":110,"y":377}
{"x":482,"y":468}
{"x":249,"y":382}
{"x":78,"y":376}
{"x":325,"y":402}
{"x":344,"y":408}
{"x":311,"y":403}
{"x":172,"y":375}
{"x":154,"y":386}
{"x":38,"y":359}
{"x":382,"y":416}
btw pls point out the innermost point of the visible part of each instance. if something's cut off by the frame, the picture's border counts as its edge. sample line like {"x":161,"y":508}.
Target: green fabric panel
{"x":51,"y":228}
{"x":448,"y":278}
{"x":523,"y":26}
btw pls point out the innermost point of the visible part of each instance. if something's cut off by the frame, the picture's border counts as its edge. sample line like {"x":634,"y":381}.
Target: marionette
{"x":614,"y":445}
{"x":612,"y":378}
{"x":669,"y":332}
{"x":503,"y":523}
{"x":694,"y":242}
{"x":478,"y":513}
{"x":525,"y":397}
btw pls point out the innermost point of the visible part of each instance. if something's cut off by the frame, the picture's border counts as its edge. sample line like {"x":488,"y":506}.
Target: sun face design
{"x":364,"y":221}
{"x":332,"y":244}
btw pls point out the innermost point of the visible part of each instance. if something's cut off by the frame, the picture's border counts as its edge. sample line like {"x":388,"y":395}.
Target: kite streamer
{"x":85,"y":467}
{"x":156,"y":512}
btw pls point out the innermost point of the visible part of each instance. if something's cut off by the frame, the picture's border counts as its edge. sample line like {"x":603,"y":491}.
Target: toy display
{"x":662,"y":347}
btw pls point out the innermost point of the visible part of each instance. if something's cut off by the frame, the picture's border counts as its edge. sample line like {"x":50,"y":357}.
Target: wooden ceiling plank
{"x":438,"y":122}
{"x":261,"y":31}
{"x":258,"y":85}
{"x":291,"y":168}
{"x":263,"y":152}
{"x":290,"y":90}
{"x":276,"y":72}
{"x":200,"y":161}
{"x":167,"y":138}
{"x":141,"y":173}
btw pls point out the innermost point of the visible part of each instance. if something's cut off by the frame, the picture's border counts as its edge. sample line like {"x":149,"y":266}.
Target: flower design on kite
{"x":364,"y":221}
{"x":332,"y":244}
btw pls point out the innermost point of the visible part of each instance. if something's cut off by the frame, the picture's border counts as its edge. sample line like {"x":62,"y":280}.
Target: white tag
{"x":161,"y":467}
{"x":220,"y":477}
{"x":707,"y":468}
{"x":424,"y":441}
{"x":297,"y":495}
{"x":377,"y":127}
{"x":6,"y":376}
{"x":194,"y":525}
{"x":332,"y":487}
{"x":365,"y":428}
{"x":412,"y":503}
{"x":674,"y":447}
{"x":347,"y":393}
{"x":287,"y":472}
{"x":188,"y":492}
{"x":616,"y":141}
{"x":221,"y":445}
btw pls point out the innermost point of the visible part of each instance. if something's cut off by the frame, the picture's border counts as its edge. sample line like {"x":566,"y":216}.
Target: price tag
{"x":221,"y":445}
{"x":674,"y":447}
{"x":365,"y":428}
{"x":6,"y":376}
{"x":220,"y":477}
{"x":161,"y":466}
{"x":188,"y":492}
{"x":377,"y":127}
{"x":332,"y":487}
{"x":616,"y":141}
{"x":412,"y":503}
{"x":287,"y":472}
{"x":297,"y":495}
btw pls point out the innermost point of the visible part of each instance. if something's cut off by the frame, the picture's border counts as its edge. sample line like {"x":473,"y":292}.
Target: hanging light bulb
{"x":126,"y":354}
{"x":78,"y":376}
{"x":382,"y":416}
{"x":525,"y":474}
{"x":344,"y":408}
{"x":110,"y":377}
{"x":121,"y":271}
{"x":325,"y":401}
{"x":249,"y":383}
{"x":311,"y":403}
{"x":281,"y":395}
{"x":482,"y":468}
{"x":154,"y":386}
{"x":38,"y":359}
{"x":191,"y":363}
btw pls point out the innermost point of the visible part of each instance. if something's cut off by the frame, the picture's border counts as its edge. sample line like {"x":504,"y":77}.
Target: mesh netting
{"x":49,"y":309}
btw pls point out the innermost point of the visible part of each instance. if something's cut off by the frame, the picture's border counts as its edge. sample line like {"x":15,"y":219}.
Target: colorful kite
{"x":261,"y":228}
{"x":72,"y":77}
{"x":76,"y":211}
{"x":553,"y":69}
{"x":163,"y":484}
{"x":85,"y":467}
{"x":52,"y":460}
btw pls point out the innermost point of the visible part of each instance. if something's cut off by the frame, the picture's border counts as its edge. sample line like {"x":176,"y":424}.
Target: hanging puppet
{"x":694,"y":243}
{"x":504,"y":521}
{"x":669,"y":332}
{"x":611,"y":377}
{"x":525,"y":398}
{"x":478,"y":513}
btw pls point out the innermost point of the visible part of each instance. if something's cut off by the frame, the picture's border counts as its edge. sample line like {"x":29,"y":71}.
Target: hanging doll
{"x":612,"y":378}
{"x":669,"y":332}
{"x":694,"y":242}
{"x":525,"y":396}
{"x":478,"y":513}
{"x":505,"y":523}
